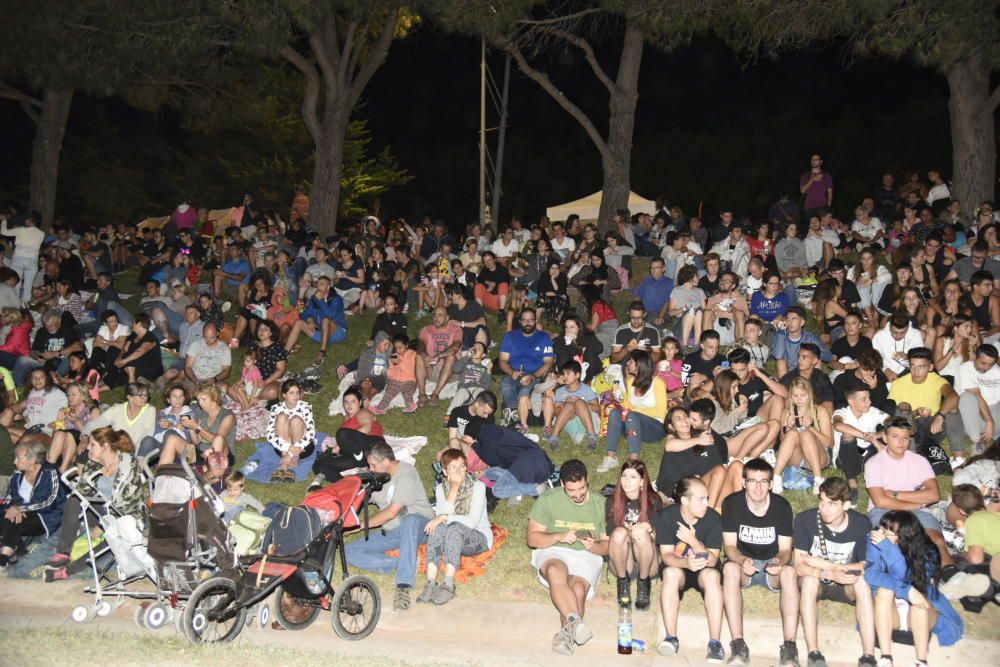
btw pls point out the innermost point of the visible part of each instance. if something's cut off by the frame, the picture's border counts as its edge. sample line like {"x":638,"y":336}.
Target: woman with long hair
{"x":828,"y":309}
{"x":923,"y":273}
{"x":600,"y":274}
{"x":68,"y":426}
{"x":956,"y":346}
{"x":38,"y":409}
{"x":889,"y":301}
{"x":577,"y":340}
{"x":686,"y":452}
{"x":600,"y":316}
{"x":912,"y":306}
{"x":983,"y":472}
{"x":865,"y":274}
{"x":687,"y":301}
{"x":945,"y":306}
{"x":552,"y":297}
{"x":903,"y":564}
{"x":631,"y":512}
{"x":761,"y":244}
{"x":807,"y":434}
{"x":639,"y":417}
{"x":517,"y":301}
{"x":258,"y":301}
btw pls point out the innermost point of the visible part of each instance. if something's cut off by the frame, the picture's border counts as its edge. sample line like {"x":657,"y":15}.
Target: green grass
{"x":509,"y":575}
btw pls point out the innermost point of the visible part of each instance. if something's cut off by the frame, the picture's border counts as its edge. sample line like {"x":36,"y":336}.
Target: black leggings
{"x":354,"y":448}
{"x":11,"y":533}
{"x":852,"y":460}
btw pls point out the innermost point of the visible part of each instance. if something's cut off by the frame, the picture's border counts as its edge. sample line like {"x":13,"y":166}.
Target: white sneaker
{"x":956,"y":462}
{"x":769,"y":456}
{"x":226,"y":305}
{"x":777,"y":485}
{"x":817,"y":482}
{"x":609,"y":463}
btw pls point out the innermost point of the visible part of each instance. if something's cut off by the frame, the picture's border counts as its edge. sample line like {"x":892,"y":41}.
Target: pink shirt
{"x":437,"y":340}
{"x":906,"y":474}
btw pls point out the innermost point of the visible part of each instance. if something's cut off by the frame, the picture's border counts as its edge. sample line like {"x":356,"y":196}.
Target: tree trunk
{"x":324,"y":204}
{"x":50,"y":127}
{"x":973,"y":142}
{"x":616,"y":158}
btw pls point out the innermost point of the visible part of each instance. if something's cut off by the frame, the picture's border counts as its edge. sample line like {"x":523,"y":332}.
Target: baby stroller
{"x":120,"y":561}
{"x":218,"y":609}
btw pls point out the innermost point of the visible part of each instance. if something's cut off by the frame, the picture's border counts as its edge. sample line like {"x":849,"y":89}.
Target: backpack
{"x":291,"y":531}
{"x":248,"y":529}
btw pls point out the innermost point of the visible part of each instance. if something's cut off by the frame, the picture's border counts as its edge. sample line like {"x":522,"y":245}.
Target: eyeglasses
{"x":758,"y":482}
{"x":774,"y":283}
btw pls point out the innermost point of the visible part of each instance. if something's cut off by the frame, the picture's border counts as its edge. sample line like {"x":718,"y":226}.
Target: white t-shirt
{"x":987,"y":383}
{"x":563,"y":248}
{"x":866,"y":423}
{"x":814,"y":245}
{"x":887,"y":346}
{"x":120,"y":330}
{"x":869,"y":230}
{"x":503,"y":251}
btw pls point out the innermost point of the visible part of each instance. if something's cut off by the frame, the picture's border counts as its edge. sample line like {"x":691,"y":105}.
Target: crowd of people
{"x":879,"y":374}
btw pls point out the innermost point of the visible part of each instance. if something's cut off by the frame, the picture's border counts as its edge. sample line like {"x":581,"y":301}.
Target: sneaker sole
{"x":582,"y":634}
{"x":667,"y":649}
{"x":973,"y":585}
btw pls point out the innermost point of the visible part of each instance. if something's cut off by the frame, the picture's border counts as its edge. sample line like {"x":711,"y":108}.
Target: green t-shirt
{"x":559,"y":514}
{"x":982,"y":529}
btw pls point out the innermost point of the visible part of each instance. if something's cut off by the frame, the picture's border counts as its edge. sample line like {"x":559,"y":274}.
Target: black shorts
{"x":691,"y":579}
{"x":834,"y":592}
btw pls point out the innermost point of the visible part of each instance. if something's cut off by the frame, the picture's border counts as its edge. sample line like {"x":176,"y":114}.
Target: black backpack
{"x":291,"y":531}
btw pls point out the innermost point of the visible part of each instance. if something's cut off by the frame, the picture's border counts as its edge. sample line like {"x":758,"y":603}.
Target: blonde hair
{"x":810,"y":408}
{"x":211,"y":390}
{"x":518,"y":299}
{"x":12,"y":316}
{"x":118,"y":441}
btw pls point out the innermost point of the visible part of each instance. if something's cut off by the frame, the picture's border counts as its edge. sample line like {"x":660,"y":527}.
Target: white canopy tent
{"x":589,"y":207}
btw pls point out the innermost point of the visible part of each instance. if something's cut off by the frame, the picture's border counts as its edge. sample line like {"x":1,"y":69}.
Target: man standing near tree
{"x":816,"y":187}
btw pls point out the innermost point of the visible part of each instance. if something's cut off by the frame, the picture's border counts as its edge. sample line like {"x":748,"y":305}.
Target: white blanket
{"x":337,"y":404}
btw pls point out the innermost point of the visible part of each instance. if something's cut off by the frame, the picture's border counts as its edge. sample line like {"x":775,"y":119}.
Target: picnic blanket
{"x":251,"y":424}
{"x":470,"y":566}
{"x":337,"y":404}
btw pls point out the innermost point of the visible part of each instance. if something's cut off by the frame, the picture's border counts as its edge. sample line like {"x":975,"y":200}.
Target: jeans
{"x":968,"y":407}
{"x":512,"y":390}
{"x":370,"y":554}
{"x":953,"y":430}
{"x":639,"y":428}
{"x":505,"y":485}
{"x":174,"y":320}
{"x":26,"y":269}
{"x":25,"y":365}
{"x":88,"y":329}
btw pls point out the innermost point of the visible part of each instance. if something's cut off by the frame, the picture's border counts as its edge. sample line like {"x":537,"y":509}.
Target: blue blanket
{"x":267,"y":461}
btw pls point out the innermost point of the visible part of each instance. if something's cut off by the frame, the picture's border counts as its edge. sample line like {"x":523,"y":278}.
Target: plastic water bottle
{"x":625,"y":630}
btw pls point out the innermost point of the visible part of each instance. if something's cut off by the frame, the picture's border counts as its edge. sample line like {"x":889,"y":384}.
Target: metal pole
{"x":498,"y":170}
{"x":482,"y":136}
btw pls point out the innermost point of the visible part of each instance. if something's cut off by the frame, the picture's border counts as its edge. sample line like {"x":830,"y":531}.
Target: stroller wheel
{"x":213,"y":613}
{"x":157,"y":615}
{"x":294,"y":613}
{"x":82,"y":613}
{"x":264,"y":616}
{"x":139,"y":616}
{"x":356,"y":608}
{"x":104,"y":608}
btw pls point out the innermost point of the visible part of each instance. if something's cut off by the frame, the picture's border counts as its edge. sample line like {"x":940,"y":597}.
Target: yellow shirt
{"x":982,"y":529}
{"x":924,"y":395}
{"x":653,"y":403}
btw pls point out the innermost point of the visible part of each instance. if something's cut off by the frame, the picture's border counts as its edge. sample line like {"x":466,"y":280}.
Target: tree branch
{"x":380,"y":50}
{"x":555,"y":20}
{"x":588,"y":53}
{"x":994,"y":99}
{"x":311,"y":98}
{"x":327,"y":60}
{"x":576,"y":112}
{"x":12,"y":93}
{"x":351,"y":52}
{"x":33,"y":114}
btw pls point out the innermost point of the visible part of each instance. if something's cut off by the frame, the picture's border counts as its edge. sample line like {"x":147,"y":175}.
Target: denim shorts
{"x":759,"y":578}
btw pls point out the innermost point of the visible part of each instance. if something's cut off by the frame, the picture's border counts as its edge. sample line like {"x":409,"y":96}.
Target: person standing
{"x":28,"y":242}
{"x":816,"y":187}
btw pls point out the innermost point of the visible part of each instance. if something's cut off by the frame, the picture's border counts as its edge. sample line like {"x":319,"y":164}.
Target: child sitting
{"x":669,"y":368}
{"x":236,"y":499}
{"x":571,"y":399}
{"x":401,"y":377}
{"x":248,"y":391}
{"x":751,"y":342}
{"x":473,"y":368}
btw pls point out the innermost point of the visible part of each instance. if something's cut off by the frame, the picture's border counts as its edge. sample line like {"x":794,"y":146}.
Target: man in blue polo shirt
{"x":654,"y":291}
{"x":526,"y":357}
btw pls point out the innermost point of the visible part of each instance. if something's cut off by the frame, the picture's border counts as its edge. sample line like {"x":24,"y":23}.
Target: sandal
{"x":278,"y":476}
{"x":433,"y":399}
{"x":422,"y":400}
{"x":290,"y":477}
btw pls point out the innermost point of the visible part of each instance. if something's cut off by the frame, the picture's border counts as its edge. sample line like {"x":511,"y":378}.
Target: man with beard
{"x":526,"y":357}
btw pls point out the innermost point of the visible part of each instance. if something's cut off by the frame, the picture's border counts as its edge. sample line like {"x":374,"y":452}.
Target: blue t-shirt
{"x":768,"y":309}
{"x":583,"y":392}
{"x":240,"y":265}
{"x":654,"y":294}
{"x":527,"y":353}
{"x":785,"y":348}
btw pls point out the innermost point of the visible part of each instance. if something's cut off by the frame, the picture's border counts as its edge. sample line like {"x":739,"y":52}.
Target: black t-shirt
{"x":675,"y":465}
{"x":754,"y":391}
{"x":467,"y":423}
{"x":821,"y":386}
{"x":695,"y":363}
{"x":470,"y":313}
{"x":849,"y":293}
{"x":648,"y":337}
{"x":847,"y":546}
{"x":708,"y":529}
{"x":709,"y":286}
{"x":879,"y":393}
{"x":498,"y":275}
{"x":149,"y":365}
{"x":71,"y":270}
{"x":842,"y":348}
{"x":757,"y":536}
{"x":391,"y":323}
{"x":46,"y":342}
{"x":632,"y":513}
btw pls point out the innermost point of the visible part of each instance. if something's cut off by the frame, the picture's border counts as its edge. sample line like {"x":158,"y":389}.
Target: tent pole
{"x":501,"y":140}
{"x":482,"y":136}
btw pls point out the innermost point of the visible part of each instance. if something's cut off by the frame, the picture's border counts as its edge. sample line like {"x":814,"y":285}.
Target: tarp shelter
{"x":589,"y":207}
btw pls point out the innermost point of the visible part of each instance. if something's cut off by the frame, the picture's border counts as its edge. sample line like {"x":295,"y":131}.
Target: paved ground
{"x":507,"y":633}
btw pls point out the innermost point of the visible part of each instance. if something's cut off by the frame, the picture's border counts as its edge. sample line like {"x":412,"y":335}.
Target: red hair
{"x":646,"y":494}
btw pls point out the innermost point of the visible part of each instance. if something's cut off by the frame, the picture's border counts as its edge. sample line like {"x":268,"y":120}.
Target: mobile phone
{"x":584,"y":534}
{"x":702,"y":554}
{"x":798,"y":420}
{"x":856,"y":573}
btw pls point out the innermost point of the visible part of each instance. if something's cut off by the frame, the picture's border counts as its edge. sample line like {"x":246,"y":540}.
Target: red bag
{"x":343,"y":498}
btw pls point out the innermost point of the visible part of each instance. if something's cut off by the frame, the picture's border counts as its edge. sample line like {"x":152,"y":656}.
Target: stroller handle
{"x":374,"y":481}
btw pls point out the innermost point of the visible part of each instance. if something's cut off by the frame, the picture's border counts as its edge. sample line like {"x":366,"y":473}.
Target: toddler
{"x":248,"y":391}
{"x":236,"y":499}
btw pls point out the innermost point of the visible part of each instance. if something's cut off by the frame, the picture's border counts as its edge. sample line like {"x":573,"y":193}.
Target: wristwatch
{"x":894,"y":494}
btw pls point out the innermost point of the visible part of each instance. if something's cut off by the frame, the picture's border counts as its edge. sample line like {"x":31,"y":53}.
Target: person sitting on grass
{"x":69,"y":424}
{"x":34,"y":500}
{"x":466,"y":421}
{"x":401,"y":377}
{"x":757,"y":538}
{"x":568,"y":539}
{"x":631,"y":513}
{"x":806,"y":434}
{"x":291,"y":430}
{"x":830,"y":544}
{"x":459,"y":528}
{"x":323,"y":320}
{"x":859,"y":436}
{"x":572,"y":399}
{"x":903,"y":564}
{"x":639,"y":418}
{"x":475,"y":377}
{"x":355,"y":437}
{"x":404,"y":511}
{"x":526,"y":357}
{"x":38,"y":410}
{"x":691,"y":448}
{"x":689,"y":534}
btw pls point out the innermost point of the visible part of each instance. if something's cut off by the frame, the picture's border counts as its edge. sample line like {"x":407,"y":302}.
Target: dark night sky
{"x":707,"y":129}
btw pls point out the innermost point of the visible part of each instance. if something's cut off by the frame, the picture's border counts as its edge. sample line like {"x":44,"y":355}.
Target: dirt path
{"x":506,"y":633}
